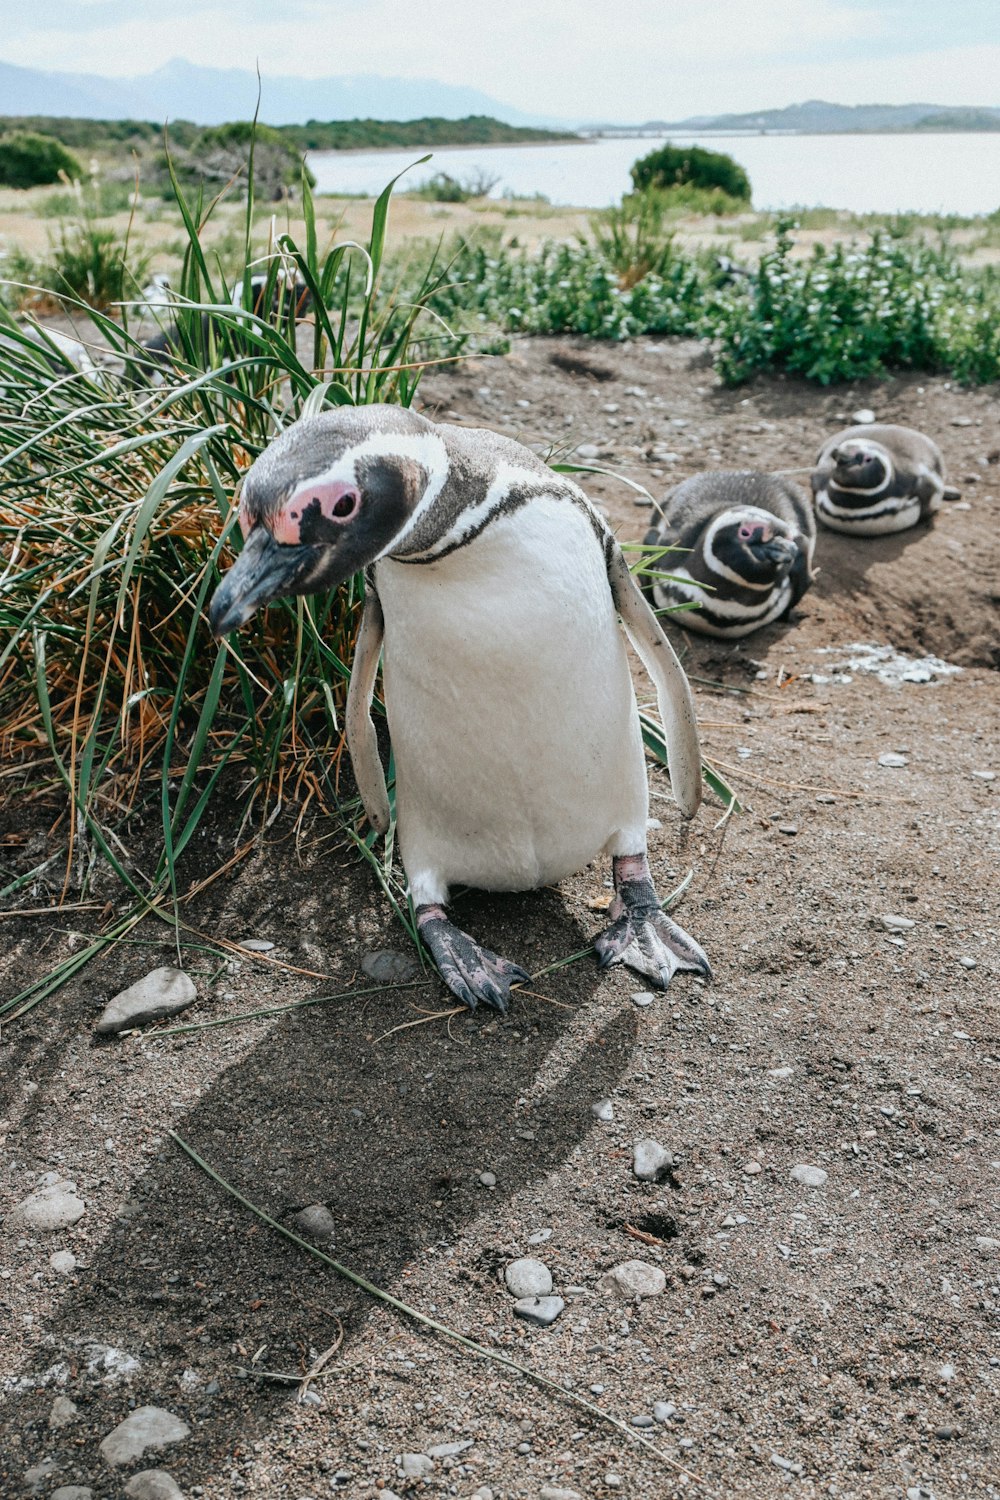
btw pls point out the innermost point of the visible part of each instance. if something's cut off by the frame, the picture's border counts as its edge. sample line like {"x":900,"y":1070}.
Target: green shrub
{"x":219,"y":155}
{"x":632,"y":239}
{"x":30,"y":160}
{"x":682,"y":166}
{"x":442,"y":188}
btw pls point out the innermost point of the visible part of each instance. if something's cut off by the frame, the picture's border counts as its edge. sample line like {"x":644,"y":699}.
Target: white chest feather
{"x":510,"y":706}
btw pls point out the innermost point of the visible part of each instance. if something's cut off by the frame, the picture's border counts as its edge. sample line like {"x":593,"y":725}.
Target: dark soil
{"x":848,"y":1330}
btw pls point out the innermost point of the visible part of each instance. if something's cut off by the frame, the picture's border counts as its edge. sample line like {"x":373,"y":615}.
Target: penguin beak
{"x":779,"y":550}
{"x":264,"y":570}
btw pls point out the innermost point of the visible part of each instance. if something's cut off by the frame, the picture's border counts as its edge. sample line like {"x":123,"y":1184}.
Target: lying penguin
{"x":876,"y":479}
{"x":493,"y":589}
{"x":747,"y":540}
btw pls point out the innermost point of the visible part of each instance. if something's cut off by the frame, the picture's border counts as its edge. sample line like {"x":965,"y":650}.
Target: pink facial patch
{"x":750,"y":531}
{"x":336,"y":502}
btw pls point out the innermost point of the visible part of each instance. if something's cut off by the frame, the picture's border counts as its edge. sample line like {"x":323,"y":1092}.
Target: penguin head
{"x":750,"y":545}
{"x":329,"y":496}
{"x":860,"y":464}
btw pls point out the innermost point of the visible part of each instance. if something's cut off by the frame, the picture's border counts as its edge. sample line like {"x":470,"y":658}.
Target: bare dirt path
{"x":832,"y":1340}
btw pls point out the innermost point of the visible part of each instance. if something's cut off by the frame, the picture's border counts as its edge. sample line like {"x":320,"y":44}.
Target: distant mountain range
{"x":211,"y":96}
{"x":817,"y":117}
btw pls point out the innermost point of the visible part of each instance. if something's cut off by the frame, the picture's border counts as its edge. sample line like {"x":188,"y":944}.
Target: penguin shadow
{"x":389,"y":1125}
{"x":843,"y":562}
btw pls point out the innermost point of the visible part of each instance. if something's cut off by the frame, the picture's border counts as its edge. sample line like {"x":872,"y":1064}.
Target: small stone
{"x":967,"y":963}
{"x":893,"y":923}
{"x":651,"y":1162}
{"x":864,"y":417}
{"x":63,"y":1262}
{"x":893,"y":761}
{"x":643,"y":500}
{"x":788,"y":1464}
{"x":52,"y":1206}
{"x":789,"y":829}
{"x":587,"y":451}
{"x":663,"y":1411}
{"x":449,"y":1450}
{"x":72,"y":1492}
{"x":826,"y":798}
{"x":314,"y":1222}
{"x":487,"y":1179}
{"x":643,"y":998}
{"x":604,"y":1110}
{"x":613,"y":1481}
{"x":153,"y":1484}
{"x":63,"y":1412}
{"x":558,"y":1492}
{"x":597,"y":1390}
{"x":634,"y":1278}
{"x":37,"y":1477}
{"x":523,"y":404}
{"x":752,"y":1168}
{"x":984,"y":775}
{"x":416,"y":1465}
{"x":539,"y":1310}
{"x":961,"y":421}
{"x":254,"y":945}
{"x":808,"y":1176}
{"x":785,"y":1072}
{"x":389,"y":966}
{"x":164,"y":992}
{"x":146,"y":1427}
{"x":528,"y":1278}
{"x":986,"y":1245}
{"x":642,"y":1420}
{"x":539,"y":1236}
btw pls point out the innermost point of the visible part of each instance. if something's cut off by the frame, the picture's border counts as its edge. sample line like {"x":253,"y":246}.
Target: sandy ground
{"x":836,"y":1340}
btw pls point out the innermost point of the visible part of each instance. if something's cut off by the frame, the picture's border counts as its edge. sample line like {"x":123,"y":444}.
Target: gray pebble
{"x":788,"y":1464}
{"x":634,"y":1278}
{"x":153,"y":1484}
{"x":604,"y":1110}
{"x":642,"y":1421}
{"x":663,"y":1411}
{"x":539,"y":1236}
{"x":597,"y":1390}
{"x":539,"y":1310}
{"x":613,"y":1481}
{"x":416,"y":1465}
{"x":487,"y":1179}
{"x":587,"y":452}
{"x":164,"y":992}
{"x":54,"y":1205}
{"x":984,"y":775}
{"x":967,"y":963}
{"x":752,"y":1168}
{"x":558,"y":1492}
{"x":651,"y":1162}
{"x":449,"y":1450}
{"x":63,"y":1262}
{"x":864,"y":417}
{"x":39,"y":1475}
{"x":791,"y":829}
{"x":314,"y":1222}
{"x":146,"y":1427}
{"x":809,"y":1176}
{"x":64,"y":1411}
{"x":72,"y":1492}
{"x":892,"y":760}
{"x":528,"y":1278}
{"x":986,"y":1244}
{"x":256,"y":945}
{"x":389,"y":966}
{"x":643,"y":998}
{"x":780,"y":1072}
{"x":893,"y":923}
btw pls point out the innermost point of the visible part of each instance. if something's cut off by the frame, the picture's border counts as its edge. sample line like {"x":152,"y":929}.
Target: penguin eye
{"x":346,"y":504}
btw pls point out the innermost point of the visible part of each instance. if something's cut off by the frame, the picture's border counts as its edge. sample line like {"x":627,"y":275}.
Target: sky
{"x":575,"y":59}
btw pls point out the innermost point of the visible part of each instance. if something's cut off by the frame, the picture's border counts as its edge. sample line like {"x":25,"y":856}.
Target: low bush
{"x":442,"y":188}
{"x":30,"y":160}
{"x":691,"y":166}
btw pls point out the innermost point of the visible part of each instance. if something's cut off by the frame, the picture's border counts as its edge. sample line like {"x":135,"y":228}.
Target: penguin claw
{"x":472,"y":973}
{"x":659,"y":948}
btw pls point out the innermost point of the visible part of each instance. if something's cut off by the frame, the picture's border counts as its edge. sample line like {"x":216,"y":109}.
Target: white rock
{"x":153,"y":1484}
{"x":72,"y":1492}
{"x":587,"y":452}
{"x":488,"y":1179}
{"x":643,"y":998}
{"x":164,"y":992}
{"x":146,"y":1427}
{"x":256,"y":945}
{"x":604,"y":1110}
{"x":528,"y":1278}
{"x":984,"y":775}
{"x":539,"y":1236}
{"x":986,"y":1244}
{"x":63,"y":1262}
{"x":540,"y":1310}
{"x":558,"y":1492}
{"x":416,"y":1465}
{"x":63,"y":1412}
{"x":809,"y":1176}
{"x":967,"y":963}
{"x":449,"y":1450}
{"x":663,"y":1411}
{"x":651,"y":1162}
{"x":892,"y":760}
{"x":864,"y":417}
{"x":38,"y":1476}
{"x":634,"y":1278}
{"x":52,"y":1206}
{"x":752,"y":1168}
{"x":785,"y":1072}
{"x":893,"y":923}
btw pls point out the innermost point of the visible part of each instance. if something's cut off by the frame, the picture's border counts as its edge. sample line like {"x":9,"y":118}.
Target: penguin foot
{"x":641,"y":934}
{"x":471,"y":973}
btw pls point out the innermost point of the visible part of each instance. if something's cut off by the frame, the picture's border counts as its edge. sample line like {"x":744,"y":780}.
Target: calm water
{"x":867,"y":173}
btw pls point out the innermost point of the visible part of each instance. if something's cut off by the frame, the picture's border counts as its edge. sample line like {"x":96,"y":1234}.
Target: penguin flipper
{"x":673,"y":692}
{"x":361,"y":739}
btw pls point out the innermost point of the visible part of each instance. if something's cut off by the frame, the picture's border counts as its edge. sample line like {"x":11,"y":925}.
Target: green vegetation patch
{"x":691,"y":166}
{"x":30,"y":160}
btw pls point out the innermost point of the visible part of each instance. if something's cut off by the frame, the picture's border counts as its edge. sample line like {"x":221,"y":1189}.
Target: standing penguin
{"x":748,"y":539}
{"x":493,"y":588}
{"x":875,"y":479}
